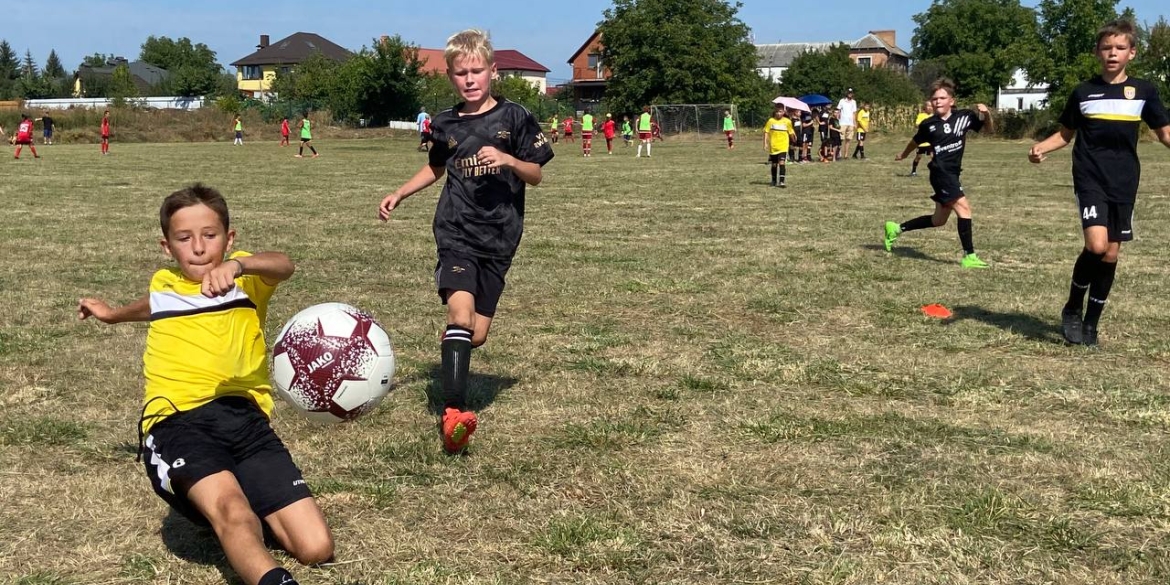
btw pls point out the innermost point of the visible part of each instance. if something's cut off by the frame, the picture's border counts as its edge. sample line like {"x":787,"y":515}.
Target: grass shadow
{"x":482,"y":389}
{"x":1020,"y":323}
{"x":196,"y":544}
{"x":906,"y":253}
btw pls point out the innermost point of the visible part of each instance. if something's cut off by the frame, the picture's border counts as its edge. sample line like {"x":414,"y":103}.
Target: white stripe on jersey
{"x":1127,"y":108}
{"x":169,"y":300}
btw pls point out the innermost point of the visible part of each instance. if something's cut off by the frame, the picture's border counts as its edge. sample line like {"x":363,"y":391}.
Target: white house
{"x":1021,"y":94}
{"x":774,"y":59}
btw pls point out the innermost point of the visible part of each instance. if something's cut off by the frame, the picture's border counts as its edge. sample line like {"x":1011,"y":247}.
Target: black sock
{"x":456,"y":363}
{"x":1099,"y":292}
{"x":783,"y":172}
{"x":301,"y":149}
{"x":861,"y":149}
{"x":278,"y":576}
{"x":914,"y":166}
{"x":774,"y":172}
{"x":312,"y":149}
{"x":1084,"y":274}
{"x":918,"y":223}
{"x":965,"y":235}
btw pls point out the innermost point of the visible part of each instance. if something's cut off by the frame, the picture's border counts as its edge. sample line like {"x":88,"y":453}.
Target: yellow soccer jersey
{"x":863,"y":120}
{"x":199,"y":349}
{"x":918,"y":122}
{"x":778,"y":130}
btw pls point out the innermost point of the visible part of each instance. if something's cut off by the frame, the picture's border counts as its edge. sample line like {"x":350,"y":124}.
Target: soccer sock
{"x":301,"y":149}
{"x":1085,"y":273}
{"x":312,"y":149}
{"x":918,"y":223}
{"x":914,"y":166}
{"x":18,"y":147}
{"x":783,"y":172}
{"x":775,"y":172}
{"x":965,"y":235}
{"x":647,"y":149}
{"x":639,"y":149}
{"x":456,"y":362}
{"x":278,"y":576}
{"x":861,"y":150}
{"x":1099,"y":291}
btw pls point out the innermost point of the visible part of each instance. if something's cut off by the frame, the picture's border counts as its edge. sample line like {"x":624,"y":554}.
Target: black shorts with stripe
{"x":227,"y":434}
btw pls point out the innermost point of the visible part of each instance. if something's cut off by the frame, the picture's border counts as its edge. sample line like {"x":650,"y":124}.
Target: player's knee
{"x":231,"y":513}
{"x":315,"y":549}
{"x":478,"y":338}
{"x":1098,"y":247}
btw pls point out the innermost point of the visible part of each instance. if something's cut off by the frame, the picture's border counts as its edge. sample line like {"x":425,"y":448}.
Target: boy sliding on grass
{"x":204,"y":435}
{"x":490,"y":151}
{"x":1104,"y":114}
{"x":946,"y":132}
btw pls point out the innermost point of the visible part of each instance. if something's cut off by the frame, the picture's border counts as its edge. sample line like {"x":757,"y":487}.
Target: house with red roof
{"x":509,"y":63}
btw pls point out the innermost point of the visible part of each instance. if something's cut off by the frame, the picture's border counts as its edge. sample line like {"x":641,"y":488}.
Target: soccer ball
{"x":332,"y":362}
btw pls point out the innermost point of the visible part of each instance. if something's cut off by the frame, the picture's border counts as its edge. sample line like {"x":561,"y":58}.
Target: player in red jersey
{"x":24,"y":136}
{"x":284,"y":131}
{"x":609,"y":129}
{"x":569,"y":129}
{"x":106,"y":133}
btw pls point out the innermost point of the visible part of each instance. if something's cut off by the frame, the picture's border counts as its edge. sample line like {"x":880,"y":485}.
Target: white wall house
{"x":1021,"y":94}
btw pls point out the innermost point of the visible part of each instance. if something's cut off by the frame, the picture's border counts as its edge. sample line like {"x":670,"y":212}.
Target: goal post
{"x":697,"y":120}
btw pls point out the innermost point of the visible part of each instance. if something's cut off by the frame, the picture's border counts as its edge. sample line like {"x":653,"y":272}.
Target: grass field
{"x":693,"y":377}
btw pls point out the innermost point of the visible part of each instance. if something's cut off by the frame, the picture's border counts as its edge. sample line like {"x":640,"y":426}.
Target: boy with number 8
{"x":490,"y":151}
{"x":1104,"y":114}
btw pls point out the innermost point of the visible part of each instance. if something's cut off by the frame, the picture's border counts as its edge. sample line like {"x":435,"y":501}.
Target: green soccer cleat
{"x":972,"y":261}
{"x":892,"y":232}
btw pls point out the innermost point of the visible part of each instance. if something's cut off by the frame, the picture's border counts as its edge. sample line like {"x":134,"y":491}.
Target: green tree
{"x":436,"y":93}
{"x":830,"y":73}
{"x":191,"y":67}
{"x":9,"y":62}
{"x":388,"y":81}
{"x":311,"y":82}
{"x":977,"y":43}
{"x":53,"y":67}
{"x":96,"y":60}
{"x":678,"y":51}
{"x":1066,"y":57}
{"x":28,"y":67}
{"x":1153,"y":59}
{"x":122,"y":83}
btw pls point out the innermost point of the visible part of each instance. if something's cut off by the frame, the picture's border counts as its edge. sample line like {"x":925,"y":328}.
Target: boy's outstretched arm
{"x":98,"y":309}
{"x":988,"y":119}
{"x":1057,"y":141}
{"x":424,"y":178}
{"x":910,"y":147}
{"x":272,"y":267}
{"x":1163,"y":135}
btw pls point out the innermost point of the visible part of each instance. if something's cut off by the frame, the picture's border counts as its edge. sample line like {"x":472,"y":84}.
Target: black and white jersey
{"x":1107,"y":119}
{"x":481,"y":209}
{"x":823,"y":120}
{"x":948,"y":139}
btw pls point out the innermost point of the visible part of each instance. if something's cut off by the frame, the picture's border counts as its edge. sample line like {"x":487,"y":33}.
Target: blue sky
{"x":549,"y":34}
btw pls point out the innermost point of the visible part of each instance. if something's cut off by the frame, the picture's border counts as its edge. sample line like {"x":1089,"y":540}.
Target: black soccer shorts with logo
{"x":481,"y":276}
{"x":1097,"y":209}
{"x":226,"y":434}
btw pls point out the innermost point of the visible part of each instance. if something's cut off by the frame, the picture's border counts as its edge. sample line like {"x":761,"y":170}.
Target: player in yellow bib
{"x":306,"y":137}
{"x":778,"y":131}
{"x":205,"y":437}
{"x":644,"y":134}
{"x":587,"y":134}
{"x":924,"y":148}
{"x":729,"y":129}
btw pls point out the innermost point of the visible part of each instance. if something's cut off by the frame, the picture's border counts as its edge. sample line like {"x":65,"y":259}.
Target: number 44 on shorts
{"x":1089,"y":212}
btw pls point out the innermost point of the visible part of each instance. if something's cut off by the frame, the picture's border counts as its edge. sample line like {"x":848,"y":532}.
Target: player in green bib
{"x":627,"y":131}
{"x":306,"y":137}
{"x":587,"y":134}
{"x":644,"y":134}
{"x":239,"y":128}
{"x":729,"y":129}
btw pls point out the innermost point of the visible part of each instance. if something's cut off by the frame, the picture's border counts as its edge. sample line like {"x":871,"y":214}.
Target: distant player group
{"x":648,"y":131}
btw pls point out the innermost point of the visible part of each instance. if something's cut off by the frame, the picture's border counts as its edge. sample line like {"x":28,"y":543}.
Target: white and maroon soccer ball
{"x":332,"y":362}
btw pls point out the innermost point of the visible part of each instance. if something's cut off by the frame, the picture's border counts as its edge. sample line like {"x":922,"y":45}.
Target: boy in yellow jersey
{"x":777,"y":132}
{"x":206,"y":441}
{"x":862,"y":130}
{"x":644,"y":132}
{"x":552,"y":126}
{"x":238,"y":127}
{"x":924,"y":148}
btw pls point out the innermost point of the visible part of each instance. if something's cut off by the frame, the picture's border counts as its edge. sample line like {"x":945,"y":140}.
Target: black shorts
{"x":824,"y":138}
{"x":924,"y":150}
{"x":303,"y":139}
{"x":947,"y":188}
{"x":1117,"y":217}
{"x":425,"y":137}
{"x":239,"y":134}
{"x":482,"y":277}
{"x":808,"y":136}
{"x":778,"y":158}
{"x":836,"y":140}
{"x":860,"y":135}
{"x":227,"y":434}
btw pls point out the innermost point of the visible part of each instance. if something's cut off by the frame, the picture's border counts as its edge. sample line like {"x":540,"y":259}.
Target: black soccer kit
{"x":480,"y":216}
{"x":1107,"y":119}
{"x":948,"y":140}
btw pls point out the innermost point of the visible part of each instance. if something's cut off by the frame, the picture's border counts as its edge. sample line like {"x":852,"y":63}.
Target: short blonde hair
{"x":467,"y":43}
